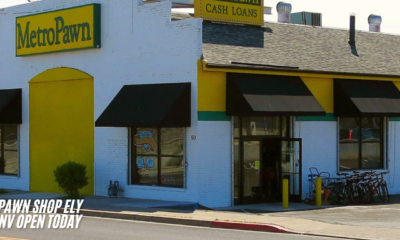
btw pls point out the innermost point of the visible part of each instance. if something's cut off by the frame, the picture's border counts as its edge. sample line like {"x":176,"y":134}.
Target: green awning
{"x":11,"y":106}
{"x":355,"y":98}
{"x":149,"y":105}
{"x":269,"y":95}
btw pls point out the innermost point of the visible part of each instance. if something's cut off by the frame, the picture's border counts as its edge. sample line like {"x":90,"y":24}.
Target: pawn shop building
{"x":177,"y":109}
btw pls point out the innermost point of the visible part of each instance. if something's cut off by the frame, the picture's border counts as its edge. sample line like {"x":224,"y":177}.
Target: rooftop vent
{"x":352,"y":35}
{"x":306,"y":18}
{"x":283,"y":10}
{"x":374,"y":23}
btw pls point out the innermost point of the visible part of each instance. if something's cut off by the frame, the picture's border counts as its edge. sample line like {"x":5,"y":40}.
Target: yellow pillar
{"x":318,"y":192}
{"x":285,"y":194}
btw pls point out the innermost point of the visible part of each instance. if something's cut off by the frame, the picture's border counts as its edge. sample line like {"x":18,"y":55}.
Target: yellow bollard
{"x":318,"y":184}
{"x":285,"y":194}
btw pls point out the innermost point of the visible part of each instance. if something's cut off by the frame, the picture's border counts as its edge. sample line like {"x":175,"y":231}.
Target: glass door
{"x":251,"y":172}
{"x":291,"y":166}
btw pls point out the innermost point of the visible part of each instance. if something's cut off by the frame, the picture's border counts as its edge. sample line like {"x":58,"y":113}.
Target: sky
{"x":335,"y":13}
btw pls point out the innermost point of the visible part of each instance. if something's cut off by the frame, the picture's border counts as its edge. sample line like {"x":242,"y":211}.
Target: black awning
{"x":269,"y":95}
{"x":11,"y":106}
{"x":150,"y":105}
{"x":354,"y":98}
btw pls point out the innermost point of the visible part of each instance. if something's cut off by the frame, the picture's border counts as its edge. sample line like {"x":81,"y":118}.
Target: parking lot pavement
{"x":371,"y":215}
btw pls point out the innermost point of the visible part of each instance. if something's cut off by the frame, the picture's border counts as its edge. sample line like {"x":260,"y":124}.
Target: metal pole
{"x":285,"y":193}
{"x":318,"y":192}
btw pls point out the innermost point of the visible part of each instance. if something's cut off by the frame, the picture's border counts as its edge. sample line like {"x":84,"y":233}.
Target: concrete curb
{"x":204,"y":223}
{"x":252,"y":227}
{"x":138,"y":217}
{"x":188,"y":222}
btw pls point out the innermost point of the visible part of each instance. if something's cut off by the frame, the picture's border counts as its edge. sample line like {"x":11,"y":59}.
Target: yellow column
{"x":318,"y":192}
{"x":285,"y":193}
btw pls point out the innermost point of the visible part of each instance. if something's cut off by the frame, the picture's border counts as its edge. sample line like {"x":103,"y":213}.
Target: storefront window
{"x":361,"y":143}
{"x":158,"y":156}
{"x":256,"y":126}
{"x":9,"y":163}
{"x":172,"y":171}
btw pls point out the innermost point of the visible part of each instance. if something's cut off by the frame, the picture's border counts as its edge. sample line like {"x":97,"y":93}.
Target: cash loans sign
{"x":62,"y":30}
{"x":249,"y":12}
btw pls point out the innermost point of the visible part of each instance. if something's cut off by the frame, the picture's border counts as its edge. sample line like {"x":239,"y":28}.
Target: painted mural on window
{"x":145,"y":163}
{"x":145,"y":141}
{"x":158,"y":157}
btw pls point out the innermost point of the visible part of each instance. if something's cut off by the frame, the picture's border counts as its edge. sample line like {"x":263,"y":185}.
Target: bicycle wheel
{"x":365,"y":193}
{"x":344,"y":196}
{"x":375,"y":193}
{"x":337,"y":196}
{"x":384,"y":192}
{"x":355,"y":194}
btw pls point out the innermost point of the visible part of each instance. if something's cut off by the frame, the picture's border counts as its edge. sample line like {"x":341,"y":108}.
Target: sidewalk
{"x":262,"y":217}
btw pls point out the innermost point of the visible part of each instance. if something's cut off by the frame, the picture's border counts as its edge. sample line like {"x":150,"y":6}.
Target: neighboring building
{"x":212,"y":113}
{"x":294,"y":97}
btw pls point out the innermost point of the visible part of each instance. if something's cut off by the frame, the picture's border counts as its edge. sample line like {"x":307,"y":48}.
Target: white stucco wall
{"x":140,"y":45}
{"x":214,"y":163}
{"x":320,"y":151}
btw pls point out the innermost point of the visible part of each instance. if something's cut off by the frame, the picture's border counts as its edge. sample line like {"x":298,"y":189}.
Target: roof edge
{"x":289,"y":69}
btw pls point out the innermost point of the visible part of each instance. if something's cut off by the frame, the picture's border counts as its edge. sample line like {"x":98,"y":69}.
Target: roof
{"x":300,"y":48}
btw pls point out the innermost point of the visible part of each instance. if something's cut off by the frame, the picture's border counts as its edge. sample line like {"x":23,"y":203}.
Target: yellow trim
{"x":61,"y":118}
{"x":300,"y":74}
{"x":60,"y":74}
{"x":211,"y":90}
{"x":322,"y":89}
{"x":397,"y":84}
{"x":212,"y":85}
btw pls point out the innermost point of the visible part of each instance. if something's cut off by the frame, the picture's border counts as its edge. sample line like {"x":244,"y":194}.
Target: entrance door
{"x":260,"y":171}
{"x":291,"y":167}
{"x":271,"y":155}
{"x":266,"y":162}
{"x":251,"y":191}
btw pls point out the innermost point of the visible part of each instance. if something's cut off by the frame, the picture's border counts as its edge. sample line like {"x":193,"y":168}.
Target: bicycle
{"x":339,"y":191}
{"x":383,"y":187}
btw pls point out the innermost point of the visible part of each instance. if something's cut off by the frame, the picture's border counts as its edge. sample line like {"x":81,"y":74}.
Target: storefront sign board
{"x":61,"y":30}
{"x":249,"y":12}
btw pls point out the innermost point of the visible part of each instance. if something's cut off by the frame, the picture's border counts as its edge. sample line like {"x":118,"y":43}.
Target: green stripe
{"x":327,"y":118}
{"x":97,"y":25}
{"x":221,"y":116}
{"x":212,"y":116}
